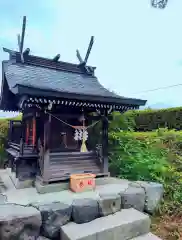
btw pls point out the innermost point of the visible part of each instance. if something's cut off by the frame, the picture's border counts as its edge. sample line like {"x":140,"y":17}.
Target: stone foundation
{"x":123,"y":225}
{"x":20,"y":184}
{"x":19,"y":222}
{"x":53,"y":187}
{"x":26,"y":214}
{"x":55,"y":221}
{"x":61,"y":186}
{"x":23,"y":172}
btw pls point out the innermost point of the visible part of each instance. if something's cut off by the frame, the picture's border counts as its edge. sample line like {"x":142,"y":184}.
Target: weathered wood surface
{"x":59,"y":166}
{"x":14,"y":149}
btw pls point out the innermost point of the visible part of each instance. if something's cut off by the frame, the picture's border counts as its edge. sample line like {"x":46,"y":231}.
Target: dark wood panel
{"x":65,"y":178}
{"x":54,"y":175}
{"x":73,"y":161}
{"x":71,"y":158}
{"x":64,"y":164}
{"x":12,"y":152}
{"x":75,"y":167}
{"x":71,"y":153}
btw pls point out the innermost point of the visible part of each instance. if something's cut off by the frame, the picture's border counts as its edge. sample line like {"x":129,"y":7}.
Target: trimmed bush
{"x":148,"y":120}
{"x":152,"y":156}
{"x":3,"y":136}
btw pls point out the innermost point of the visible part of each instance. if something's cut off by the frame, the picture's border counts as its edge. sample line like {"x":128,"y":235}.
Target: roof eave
{"x":26,"y":90}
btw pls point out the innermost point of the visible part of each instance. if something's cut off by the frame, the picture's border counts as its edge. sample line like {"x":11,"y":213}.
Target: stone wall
{"x":44,"y":220}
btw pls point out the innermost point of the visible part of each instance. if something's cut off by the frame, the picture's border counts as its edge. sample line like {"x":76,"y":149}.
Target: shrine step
{"x":63,"y":164}
{"x":72,"y":154}
{"x":124,"y":225}
{"x":65,"y":159}
{"x":74,"y":162}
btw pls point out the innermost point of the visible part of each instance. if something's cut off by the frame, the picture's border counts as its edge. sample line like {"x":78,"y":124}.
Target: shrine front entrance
{"x":66,"y":135}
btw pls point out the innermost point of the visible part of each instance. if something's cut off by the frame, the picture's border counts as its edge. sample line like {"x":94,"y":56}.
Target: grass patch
{"x":167,"y":227}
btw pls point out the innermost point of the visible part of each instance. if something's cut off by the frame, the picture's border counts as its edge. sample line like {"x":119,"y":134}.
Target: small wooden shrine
{"x":60,"y":102}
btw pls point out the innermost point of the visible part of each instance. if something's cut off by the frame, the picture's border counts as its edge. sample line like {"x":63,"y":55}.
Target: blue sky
{"x":136,"y":47}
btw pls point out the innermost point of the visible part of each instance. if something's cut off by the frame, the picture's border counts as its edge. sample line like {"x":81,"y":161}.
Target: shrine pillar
{"x":105,"y":142}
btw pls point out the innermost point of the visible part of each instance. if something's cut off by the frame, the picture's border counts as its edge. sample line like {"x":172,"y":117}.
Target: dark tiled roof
{"x":47,"y":63}
{"x":49,"y":79}
{"x":60,"y":77}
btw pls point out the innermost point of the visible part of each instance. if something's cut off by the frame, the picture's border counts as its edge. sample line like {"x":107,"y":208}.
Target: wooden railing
{"x":15,"y":146}
{"x":21,"y":148}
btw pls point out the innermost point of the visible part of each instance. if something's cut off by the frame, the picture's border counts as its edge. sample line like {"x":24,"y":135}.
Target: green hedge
{"x":148,"y":120}
{"x":150,"y":156}
{"x":3,"y":136}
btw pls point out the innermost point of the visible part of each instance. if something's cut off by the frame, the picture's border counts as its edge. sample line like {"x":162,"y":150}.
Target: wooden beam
{"x":46,"y":153}
{"x":77,"y":115}
{"x":56,"y":58}
{"x":23,"y":34}
{"x":27,"y":132}
{"x":34,"y":132}
{"x":47,"y":130}
{"x":28,"y":115}
{"x":66,"y":116}
{"x":79,"y":56}
{"x":97,"y":118}
{"x":46,"y":175}
{"x":21,"y":146}
{"x":22,"y":101}
{"x":105,"y":142}
{"x":8,"y":50}
{"x":26,"y":52}
{"x":89,"y":49}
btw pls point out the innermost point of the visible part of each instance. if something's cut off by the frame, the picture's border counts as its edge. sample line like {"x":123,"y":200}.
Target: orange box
{"x":82,"y":182}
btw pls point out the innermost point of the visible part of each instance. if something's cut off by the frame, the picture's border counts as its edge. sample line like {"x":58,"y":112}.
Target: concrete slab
{"x":109,"y":204}
{"x":154,"y":194}
{"x":57,"y":187}
{"x":30,"y":195}
{"x":148,"y":236}
{"x":123,"y":225}
{"x":54,"y":187}
{"x":112,"y":188}
{"x":19,"y":222}
{"x":17,"y":183}
{"x":54,"y":215}
{"x":133,"y":197}
{"x":7,"y":181}
{"x":8,"y":170}
{"x":111,"y":180}
{"x":105,"y":188}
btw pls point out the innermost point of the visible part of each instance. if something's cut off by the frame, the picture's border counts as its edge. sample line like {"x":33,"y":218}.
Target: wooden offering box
{"x":82,"y":182}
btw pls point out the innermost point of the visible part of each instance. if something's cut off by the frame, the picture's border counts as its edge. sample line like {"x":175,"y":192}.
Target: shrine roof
{"x":45,"y":77}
